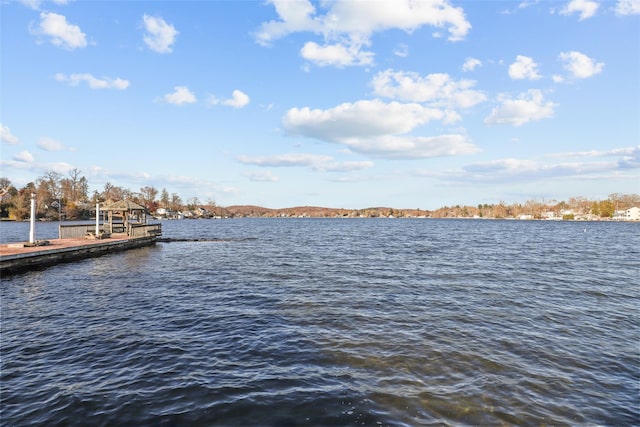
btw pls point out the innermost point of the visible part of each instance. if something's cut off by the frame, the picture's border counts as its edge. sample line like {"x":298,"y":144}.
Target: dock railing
{"x":144,"y":230}
{"x":75,"y":231}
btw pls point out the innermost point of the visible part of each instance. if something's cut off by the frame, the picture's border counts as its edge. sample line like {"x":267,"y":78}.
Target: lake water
{"x":323,"y":322}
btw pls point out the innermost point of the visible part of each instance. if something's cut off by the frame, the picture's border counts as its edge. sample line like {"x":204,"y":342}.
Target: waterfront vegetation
{"x":69,"y":198}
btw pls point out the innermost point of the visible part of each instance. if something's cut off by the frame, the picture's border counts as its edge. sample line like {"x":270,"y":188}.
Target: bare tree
{"x":108,"y":192}
{"x":149,"y":195}
{"x":176,"y":202}
{"x":74,"y":181}
{"x":164,"y":198}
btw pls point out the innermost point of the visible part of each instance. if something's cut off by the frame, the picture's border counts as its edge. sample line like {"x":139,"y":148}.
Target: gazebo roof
{"x":123,"y":205}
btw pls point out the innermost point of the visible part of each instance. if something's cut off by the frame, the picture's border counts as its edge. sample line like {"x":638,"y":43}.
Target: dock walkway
{"x":14,"y":259}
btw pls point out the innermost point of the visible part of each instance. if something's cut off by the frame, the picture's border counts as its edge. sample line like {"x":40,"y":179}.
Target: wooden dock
{"x":15,"y":259}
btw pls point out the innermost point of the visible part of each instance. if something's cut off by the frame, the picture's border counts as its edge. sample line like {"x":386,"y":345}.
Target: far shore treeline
{"x":68,"y":198}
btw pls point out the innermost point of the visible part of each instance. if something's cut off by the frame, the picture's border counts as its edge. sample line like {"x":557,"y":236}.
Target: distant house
{"x":632,"y":214}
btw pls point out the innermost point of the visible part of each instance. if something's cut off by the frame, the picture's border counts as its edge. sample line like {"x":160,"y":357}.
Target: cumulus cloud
{"x":7,"y":136}
{"x":586,"y":8}
{"x":93,"y":82}
{"x":159,"y":35}
{"x":524,"y":68}
{"x":238,"y":99}
{"x":23,"y":156}
{"x":346,"y":26}
{"x":361,"y":119}
{"x":628,"y":7}
{"x":436,"y":89}
{"x":60,"y":32}
{"x":579,"y":65}
{"x":338,"y":55}
{"x":181,"y":95}
{"x":471,"y":64}
{"x":528,"y":106}
{"x":377,"y":128}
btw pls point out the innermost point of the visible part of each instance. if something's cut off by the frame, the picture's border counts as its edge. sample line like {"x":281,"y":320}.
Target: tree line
{"x":68,"y":197}
{"x":573,"y":208}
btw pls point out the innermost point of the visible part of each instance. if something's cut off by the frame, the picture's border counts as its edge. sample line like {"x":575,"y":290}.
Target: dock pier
{"x":21,"y":257}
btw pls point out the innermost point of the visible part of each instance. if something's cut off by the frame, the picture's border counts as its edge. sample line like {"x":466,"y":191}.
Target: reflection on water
{"x":333,"y":322}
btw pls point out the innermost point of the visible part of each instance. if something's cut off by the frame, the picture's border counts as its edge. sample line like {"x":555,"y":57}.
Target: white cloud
{"x":580,"y":65}
{"x":471,"y":64}
{"x":526,"y":107}
{"x":628,"y":7}
{"x":23,"y":156}
{"x":413,"y":147}
{"x":286,"y":160}
{"x":316,"y":162}
{"x":514,"y":165}
{"x":346,"y":26}
{"x":338,"y":55}
{"x":49,"y":144}
{"x":436,"y":89}
{"x":7,"y":136}
{"x":626,"y":151}
{"x":181,"y":95}
{"x":402,"y":51}
{"x":524,"y":68}
{"x":361,"y":119}
{"x":377,"y":128}
{"x":531,"y":170}
{"x":501,"y":170}
{"x":159,"y":36}
{"x":346,"y":166}
{"x":267,"y":176}
{"x":238,"y":99}
{"x":586,"y":8}
{"x":35,"y":4}
{"x":294,"y":16}
{"x":93,"y":82}
{"x":62,"y":33}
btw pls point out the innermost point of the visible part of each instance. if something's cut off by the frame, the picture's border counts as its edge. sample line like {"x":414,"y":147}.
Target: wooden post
{"x":97,"y":219}
{"x":32,"y":230}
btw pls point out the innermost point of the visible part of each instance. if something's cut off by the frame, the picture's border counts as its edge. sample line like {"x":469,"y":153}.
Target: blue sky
{"x":341,"y":103}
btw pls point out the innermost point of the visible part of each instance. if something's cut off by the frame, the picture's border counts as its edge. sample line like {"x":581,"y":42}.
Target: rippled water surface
{"x":375,"y":322}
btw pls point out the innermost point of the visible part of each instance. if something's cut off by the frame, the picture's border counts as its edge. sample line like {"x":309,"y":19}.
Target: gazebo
{"x":126,"y":211}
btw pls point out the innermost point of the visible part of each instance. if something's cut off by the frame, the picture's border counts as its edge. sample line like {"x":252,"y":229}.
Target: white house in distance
{"x":631,"y":214}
